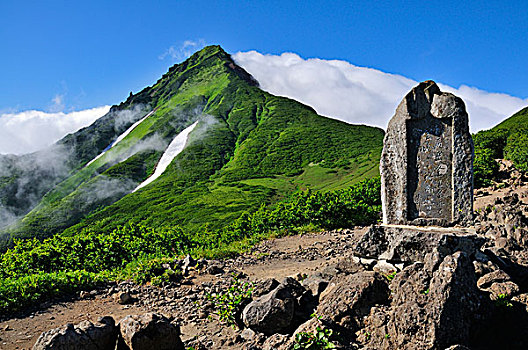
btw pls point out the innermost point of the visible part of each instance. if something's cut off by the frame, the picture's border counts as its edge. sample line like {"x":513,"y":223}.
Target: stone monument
{"x":426,"y":180}
{"x":427,"y":161}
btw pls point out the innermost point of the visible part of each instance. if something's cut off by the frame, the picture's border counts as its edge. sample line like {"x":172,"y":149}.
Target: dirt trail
{"x":276,"y":258}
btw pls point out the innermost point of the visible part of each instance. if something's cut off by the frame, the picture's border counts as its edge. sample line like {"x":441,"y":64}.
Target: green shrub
{"x":485,"y":168}
{"x":517,"y":150}
{"x":317,"y":340}
{"x":229,"y":304}
{"x":19,"y":292}
{"x":151,"y":269}
{"x":503,"y":301}
{"x":138,"y":252}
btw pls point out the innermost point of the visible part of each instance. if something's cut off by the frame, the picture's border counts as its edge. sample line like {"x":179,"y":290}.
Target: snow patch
{"x":176,"y":146}
{"x":120,"y":137}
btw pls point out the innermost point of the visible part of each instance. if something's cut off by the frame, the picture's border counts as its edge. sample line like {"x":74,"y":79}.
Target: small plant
{"x":317,"y":340}
{"x":503,"y":301}
{"x":229,"y":303}
{"x":367,"y":335}
{"x":390,"y":276}
{"x":425,"y":292}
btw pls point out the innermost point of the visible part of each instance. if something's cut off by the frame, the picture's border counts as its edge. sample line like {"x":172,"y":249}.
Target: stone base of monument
{"x":408,"y":244}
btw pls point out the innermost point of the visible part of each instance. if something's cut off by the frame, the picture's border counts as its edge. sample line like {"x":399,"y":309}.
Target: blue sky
{"x":95,"y":52}
{"x":73,"y":55}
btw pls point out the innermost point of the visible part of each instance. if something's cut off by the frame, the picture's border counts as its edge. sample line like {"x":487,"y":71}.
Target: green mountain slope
{"x":508,"y":140}
{"x":249,"y":148}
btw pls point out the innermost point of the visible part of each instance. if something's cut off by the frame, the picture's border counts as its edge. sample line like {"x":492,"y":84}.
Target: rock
{"x":485,"y":282}
{"x":275,"y":342}
{"x":349,"y":297}
{"x":264,"y":287}
{"x":272,"y":312}
{"x":214,"y":270}
{"x":384,"y":267}
{"x":248,"y":334}
{"x":84,"y":336}
{"x":373,"y":243}
{"x":86,"y":295}
{"x":295,"y":288}
{"x":123,"y":298}
{"x":187,"y":263}
{"x":507,"y":289}
{"x":315,"y":283}
{"x":149,"y":331}
{"x":411,"y":244}
{"x":522,"y":299}
{"x":429,"y":309}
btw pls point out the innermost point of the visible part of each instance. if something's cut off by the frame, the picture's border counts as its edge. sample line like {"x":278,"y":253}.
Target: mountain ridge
{"x":253,"y":147}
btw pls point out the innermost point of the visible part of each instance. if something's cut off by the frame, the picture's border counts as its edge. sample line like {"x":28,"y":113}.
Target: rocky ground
{"x":375,"y":288}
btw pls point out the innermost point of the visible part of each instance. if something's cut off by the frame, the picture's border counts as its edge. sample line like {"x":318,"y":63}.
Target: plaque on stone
{"x":427,"y":161}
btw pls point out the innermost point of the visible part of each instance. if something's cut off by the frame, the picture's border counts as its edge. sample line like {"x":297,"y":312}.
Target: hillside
{"x":508,"y":140}
{"x":248,"y":148}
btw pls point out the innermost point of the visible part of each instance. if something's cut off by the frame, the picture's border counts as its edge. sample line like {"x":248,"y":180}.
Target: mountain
{"x":236,"y":148}
{"x":508,"y":140}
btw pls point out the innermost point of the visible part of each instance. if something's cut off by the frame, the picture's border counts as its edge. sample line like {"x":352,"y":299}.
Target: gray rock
{"x":272,"y":312}
{"x":123,"y":298}
{"x":384,"y":267}
{"x":349,"y":297}
{"x":149,"y":331}
{"x":316,"y":283}
{"x":429,"y":309}
{"x":84,"y":336}
{"x":214,"y":270}
{"x":265,"y":286}
{"x":485,"y":282}
{"x":410,"y":244}
{"x":187,"y":263}
{"x":248,"y":334}
{"x":427,"y":161}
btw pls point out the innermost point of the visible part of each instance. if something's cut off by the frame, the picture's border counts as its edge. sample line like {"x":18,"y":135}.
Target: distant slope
{"x":508,"y":140}
{"x":516,"y":122}
{"x":249,"y":148}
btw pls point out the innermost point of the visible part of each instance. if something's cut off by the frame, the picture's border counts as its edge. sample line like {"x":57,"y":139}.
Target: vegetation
{"x":228,"y":304}
{"x":34,"y":270}
{"x":507,"y":140}
{"x":503,"y":301}
{"x":320,"y":339}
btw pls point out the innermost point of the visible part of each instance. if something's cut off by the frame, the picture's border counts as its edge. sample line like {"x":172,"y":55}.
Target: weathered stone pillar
{"x":427,"y":161}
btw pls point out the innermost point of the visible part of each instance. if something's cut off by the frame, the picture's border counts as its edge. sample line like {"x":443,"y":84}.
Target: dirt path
{"x":276,"y":258}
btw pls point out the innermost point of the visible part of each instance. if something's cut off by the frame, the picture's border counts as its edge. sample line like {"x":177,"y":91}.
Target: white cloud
{"x":29,"y":131}
{"x":183,"y":51}
{"x":361,"y":95}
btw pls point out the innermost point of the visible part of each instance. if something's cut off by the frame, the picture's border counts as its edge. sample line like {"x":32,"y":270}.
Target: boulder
{"x":149,"y":331}
{"x":84,"y":336}
{"x":429,"y":309}
{"x":349,"y":297}
{"x":275,"y":311}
